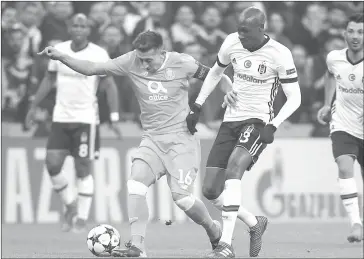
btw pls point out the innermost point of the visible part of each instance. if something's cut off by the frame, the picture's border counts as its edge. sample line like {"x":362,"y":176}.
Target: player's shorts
{"x":80,"y":139}
{"x":175,"y":155}
{"x":244,"y":134}
{"x":345,"y":144}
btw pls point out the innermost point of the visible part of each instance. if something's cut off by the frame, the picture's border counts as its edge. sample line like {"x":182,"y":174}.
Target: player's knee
{"x":141,"y":172}
{"x":214,"y":182}
{"x":83,"y":167}
{"x":184,"y":202}
{"x":54,"y":163}
{"x":210,"y":193}
{"x":346,"y":167}
{"x":137,"y":188}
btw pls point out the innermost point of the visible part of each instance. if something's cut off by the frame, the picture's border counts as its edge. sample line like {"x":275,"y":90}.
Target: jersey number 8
{"x":83,"y":150}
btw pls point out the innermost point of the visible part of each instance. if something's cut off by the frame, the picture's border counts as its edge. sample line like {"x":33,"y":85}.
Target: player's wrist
{"x":275,"y":124}
{"x":114,"y":116}
{"x":196,"y":107}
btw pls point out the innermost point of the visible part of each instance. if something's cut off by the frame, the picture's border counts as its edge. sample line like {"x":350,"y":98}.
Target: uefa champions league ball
{"x":102,"y":239}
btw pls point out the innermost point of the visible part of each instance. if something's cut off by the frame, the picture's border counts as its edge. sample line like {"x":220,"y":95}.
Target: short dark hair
{"x":357,"y":18}
{"x":148,"y":40}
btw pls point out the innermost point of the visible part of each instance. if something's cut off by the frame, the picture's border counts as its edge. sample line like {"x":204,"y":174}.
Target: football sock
{"x":200,"y":215}
{"x":349,"y":197}
{"x":138,"y":218}
{"x":61,"y":186}
{"x":244,"y":215}
{"x":230,"y":208}
{"x":85,"y":187}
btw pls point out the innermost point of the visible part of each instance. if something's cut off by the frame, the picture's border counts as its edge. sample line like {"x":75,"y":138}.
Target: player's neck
{"x":78,"y":46}
{"x":354,"y":57}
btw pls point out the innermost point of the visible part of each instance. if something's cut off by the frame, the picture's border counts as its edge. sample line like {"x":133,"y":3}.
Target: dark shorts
{"x":243,"y":134}
{"x":345,"y":144}
{"x":81,"y":139}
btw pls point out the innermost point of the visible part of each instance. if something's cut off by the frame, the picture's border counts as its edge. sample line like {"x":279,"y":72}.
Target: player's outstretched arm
{"x":212,"y":79}
{"x":84,"y":67}
{"x":293,"y":94}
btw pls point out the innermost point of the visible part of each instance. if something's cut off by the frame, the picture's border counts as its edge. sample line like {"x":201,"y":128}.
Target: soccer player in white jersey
{"x":260,"y":64}
{"x":75,"y":122}
{"x":344,"y":104}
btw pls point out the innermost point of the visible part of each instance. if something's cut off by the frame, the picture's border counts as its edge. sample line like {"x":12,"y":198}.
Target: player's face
{"x":79,"y":30}
{"x":151,"y":60}
{"x":354,"y":36}
{"x":249,"y":34}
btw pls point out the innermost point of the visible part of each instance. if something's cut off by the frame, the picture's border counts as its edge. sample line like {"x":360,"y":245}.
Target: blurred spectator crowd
{"x":309,"y":29}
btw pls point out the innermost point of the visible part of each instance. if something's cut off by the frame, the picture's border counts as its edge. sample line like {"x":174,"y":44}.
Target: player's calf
{"x":85,"y":188}
{"x":348,"y":188}
{"x":54,"y":162}
{"x":196,"y":210}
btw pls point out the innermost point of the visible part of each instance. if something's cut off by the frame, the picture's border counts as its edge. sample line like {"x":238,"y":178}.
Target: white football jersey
{"x":257,"y":75}
{"x":76,"y":99}
{"x":347,"y":106}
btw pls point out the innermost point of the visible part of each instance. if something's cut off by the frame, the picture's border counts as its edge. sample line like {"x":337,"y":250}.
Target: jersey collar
{"x":261,"y":45}
{"x":165,"y":61}
{"x":76,"y":51}
{"x":351,"y":62}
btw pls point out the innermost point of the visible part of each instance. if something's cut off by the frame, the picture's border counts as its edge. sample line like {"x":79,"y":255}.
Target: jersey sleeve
{"x":223,"y":58}
{"x":103,"y":56}
{"x":53,"y":64}
{"x":119,"y":66}
{"x":329,"y":62}
{"x":194,"y":68}
{"x":286,"y":68}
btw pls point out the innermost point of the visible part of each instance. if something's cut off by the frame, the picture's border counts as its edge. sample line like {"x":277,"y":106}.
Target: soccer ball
{"x":102,"y":239}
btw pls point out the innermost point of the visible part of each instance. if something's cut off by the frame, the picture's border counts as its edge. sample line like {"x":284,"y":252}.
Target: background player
{"x":344,"y":100}
{"x":75,"y":121}
{"x":161,"y":87}
{"x":260,"y":64}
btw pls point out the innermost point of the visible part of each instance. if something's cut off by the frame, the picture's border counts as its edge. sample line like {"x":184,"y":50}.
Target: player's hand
{"x":193,"y":117}
{"x":230,"y":99}
{"x":324,"y":115}
{"x":51,"y":52}
{"x":267,"y":134}
{"x":30,"y":117}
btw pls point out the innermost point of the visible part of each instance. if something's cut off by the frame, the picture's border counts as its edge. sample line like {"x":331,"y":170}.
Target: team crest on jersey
{"x":234,"y":61}
{"x":247,"y":64}
{"x":338,"y":77}
{"x":169,"y":74}
{"x":351,"y":77}
{"x":262,"y":68}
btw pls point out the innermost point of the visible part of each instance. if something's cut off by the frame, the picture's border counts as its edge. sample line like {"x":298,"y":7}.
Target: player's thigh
{"x":247,"y":150}
{"x":345,"y":149}
{"x":218,"y":159}
{"x":147,"y":166}
{"x":182,"y":174}
{"x":85,"y":141}
{"x":58,"y":148}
